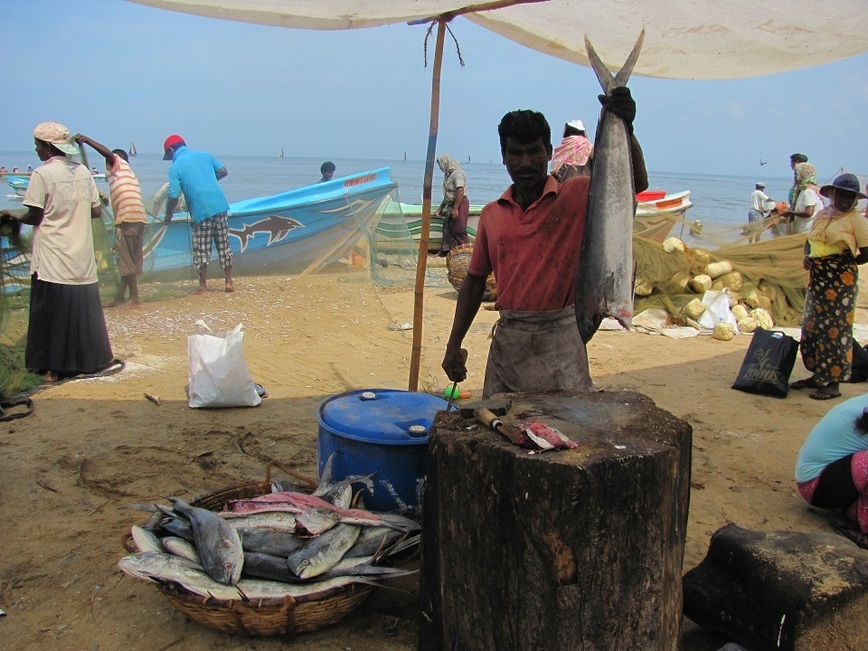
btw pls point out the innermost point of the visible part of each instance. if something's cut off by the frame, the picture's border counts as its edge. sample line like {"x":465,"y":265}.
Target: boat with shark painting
{"x":292,"y":232}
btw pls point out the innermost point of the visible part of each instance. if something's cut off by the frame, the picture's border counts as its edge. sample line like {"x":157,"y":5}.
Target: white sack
{"x":217,"y":373}
{"x":717,"y":310}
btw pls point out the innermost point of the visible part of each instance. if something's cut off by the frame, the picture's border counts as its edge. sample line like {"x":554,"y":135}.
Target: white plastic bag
{"x":717,"y":310}
{"x":217,"y":373}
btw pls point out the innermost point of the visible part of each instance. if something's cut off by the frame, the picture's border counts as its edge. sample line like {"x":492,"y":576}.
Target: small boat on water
{"x":657,"y":213}
{"x":655,"y":217}
{"x":132,"y":151}
{"x":19,"y":182}
{"x":295,"y":231}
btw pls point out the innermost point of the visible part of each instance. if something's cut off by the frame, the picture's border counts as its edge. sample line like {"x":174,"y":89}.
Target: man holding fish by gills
{"x":561,"y":252}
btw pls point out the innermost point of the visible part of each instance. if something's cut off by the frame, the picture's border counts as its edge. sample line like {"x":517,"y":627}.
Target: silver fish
{"x":218,"y":544}
{"x":267,"y":566}
{"x":182,"y":548}
{"x":160,"y":566}
{"x":264,"y":541}
{"x":145,"y":540}
{"x":256,"y":589}
{"x":341,"y":496}
{"x":604,"y":286}
{"x":315,"y":521}
{"x":153,"y":566}
{"x":373,"y":539}
{"x":178,"y":527}
{"x":269,"y":520}
{"x":320,"y":554}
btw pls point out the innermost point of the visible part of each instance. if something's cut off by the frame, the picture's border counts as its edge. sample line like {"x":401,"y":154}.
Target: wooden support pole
{"x":418,"y":303}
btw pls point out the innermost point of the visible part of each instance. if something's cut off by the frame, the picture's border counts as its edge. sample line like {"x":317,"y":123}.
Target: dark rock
{"x":781,"y":590}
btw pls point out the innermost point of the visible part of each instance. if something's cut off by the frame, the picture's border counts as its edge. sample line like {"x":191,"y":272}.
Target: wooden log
{"x":781,"y":590}
{"x":574,"y":549}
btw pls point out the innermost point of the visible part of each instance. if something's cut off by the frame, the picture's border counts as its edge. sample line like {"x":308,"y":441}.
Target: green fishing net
{"x":771,"y":274}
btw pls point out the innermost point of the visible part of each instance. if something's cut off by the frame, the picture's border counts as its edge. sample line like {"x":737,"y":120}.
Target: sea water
{"x":720,"y":202}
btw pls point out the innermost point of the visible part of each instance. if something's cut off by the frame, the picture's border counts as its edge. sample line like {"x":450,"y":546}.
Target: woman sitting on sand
{"x":832,"y":467}
{"x":837,"y":243}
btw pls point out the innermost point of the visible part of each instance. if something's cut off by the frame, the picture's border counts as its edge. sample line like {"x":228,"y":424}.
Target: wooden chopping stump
{"x":572,"y":549}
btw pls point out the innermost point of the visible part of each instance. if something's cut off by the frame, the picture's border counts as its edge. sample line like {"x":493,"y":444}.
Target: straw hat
{"x":847,"y":182}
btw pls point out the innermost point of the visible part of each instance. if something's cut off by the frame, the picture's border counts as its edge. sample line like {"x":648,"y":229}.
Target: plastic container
{"x":379,"y":432}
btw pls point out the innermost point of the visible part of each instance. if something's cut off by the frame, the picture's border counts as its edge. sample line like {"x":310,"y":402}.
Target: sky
{"x":121,"y":72}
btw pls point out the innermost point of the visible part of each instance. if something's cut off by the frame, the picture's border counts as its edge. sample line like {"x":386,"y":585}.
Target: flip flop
{"x":855,"y":535}
{"x":824,"y":395}
{"x":842,"y":523}
{"x":807,"y":383}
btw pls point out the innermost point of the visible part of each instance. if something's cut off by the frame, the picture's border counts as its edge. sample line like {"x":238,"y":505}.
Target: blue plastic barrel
{"x":379,"y":432}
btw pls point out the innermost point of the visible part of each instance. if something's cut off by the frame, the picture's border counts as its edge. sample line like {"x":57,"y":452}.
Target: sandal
{"x":842,"y":523}
{"x":807,"y":383}
{"x":855,"y":535}
{"x":824,"y":394}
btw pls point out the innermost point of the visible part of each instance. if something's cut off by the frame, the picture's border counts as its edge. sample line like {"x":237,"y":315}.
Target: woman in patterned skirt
{"x":837,"y":243}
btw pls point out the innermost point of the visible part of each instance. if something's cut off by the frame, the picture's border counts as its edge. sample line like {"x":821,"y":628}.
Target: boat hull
{"x":654,"y":220}
{"x":292,"y":232}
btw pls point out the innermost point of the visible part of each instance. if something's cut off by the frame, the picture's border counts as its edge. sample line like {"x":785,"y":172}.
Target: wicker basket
{"x":286,"y":616}
{"x":456,"y":266}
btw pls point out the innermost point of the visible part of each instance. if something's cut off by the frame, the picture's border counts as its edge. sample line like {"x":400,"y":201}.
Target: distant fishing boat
{"x":402,"y":219}
{"x":657,"y":212}
{"x":656,"y":215}
{"x":291,"y":232}
{"x":18,"y":184}
{"x":132,"y":150}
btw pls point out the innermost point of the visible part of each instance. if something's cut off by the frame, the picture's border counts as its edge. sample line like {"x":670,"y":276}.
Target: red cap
{"x":171,"y":141}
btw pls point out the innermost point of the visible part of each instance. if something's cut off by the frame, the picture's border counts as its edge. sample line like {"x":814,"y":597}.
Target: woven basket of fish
{"x":457,"y":261}
{"x":271,"y":558}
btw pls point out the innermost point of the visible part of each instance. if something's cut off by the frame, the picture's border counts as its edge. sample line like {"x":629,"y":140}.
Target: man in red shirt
{"x":531,"y":239}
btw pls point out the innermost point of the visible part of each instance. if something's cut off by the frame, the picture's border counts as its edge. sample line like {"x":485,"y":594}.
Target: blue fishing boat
{"x":292,"y":232}
{"x":18,"y":184}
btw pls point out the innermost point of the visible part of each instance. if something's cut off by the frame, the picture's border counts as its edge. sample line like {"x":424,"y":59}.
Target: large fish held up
{"x":604,"y":286}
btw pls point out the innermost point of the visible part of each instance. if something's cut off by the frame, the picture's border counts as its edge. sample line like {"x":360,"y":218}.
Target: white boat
{"x":657,"y":213}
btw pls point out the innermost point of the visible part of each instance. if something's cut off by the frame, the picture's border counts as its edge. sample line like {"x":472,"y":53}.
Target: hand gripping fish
{"x":604,"y":286}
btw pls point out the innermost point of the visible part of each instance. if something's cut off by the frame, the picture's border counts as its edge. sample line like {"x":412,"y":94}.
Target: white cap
{"x":576,"y":124}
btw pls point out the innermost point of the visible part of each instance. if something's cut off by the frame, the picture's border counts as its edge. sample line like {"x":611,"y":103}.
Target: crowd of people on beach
{"x":789,"y":217}
{"x":530,"y":238}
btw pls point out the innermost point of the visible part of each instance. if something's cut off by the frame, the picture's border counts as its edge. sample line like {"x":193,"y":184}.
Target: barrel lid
{"x":391,"y":417}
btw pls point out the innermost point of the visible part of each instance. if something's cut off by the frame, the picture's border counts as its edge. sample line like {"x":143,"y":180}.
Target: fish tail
{"x":606,"y":79}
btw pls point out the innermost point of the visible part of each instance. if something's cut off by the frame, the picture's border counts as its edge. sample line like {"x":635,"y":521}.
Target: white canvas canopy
{"x":684,"y":39}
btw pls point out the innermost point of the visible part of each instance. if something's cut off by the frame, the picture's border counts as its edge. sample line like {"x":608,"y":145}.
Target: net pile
{"x":766,"y":274}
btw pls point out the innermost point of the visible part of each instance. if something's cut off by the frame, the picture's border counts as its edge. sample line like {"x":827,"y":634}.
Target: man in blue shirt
{"x":196,"y":174}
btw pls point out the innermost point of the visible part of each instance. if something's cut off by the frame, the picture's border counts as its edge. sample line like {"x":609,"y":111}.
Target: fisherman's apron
{"x":536,"y":351}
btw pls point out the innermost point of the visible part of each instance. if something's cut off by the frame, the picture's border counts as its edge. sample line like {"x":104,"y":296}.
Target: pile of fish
{"x":285,"y":543}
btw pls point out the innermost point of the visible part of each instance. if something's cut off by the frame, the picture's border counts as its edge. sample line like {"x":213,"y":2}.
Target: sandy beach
{"x":92,"y":446}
